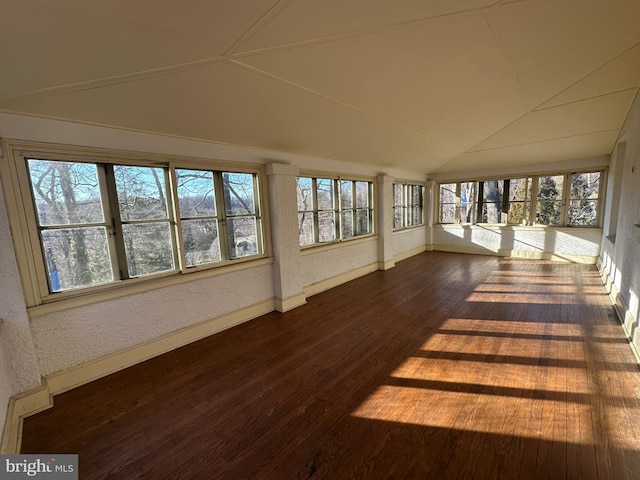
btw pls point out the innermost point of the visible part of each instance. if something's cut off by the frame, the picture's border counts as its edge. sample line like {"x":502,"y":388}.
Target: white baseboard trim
{"x":20,"y":406}
{"x":387,"y":265}
{"x":41,"y":398}
{"x":530,"y":254}
{"x":289,"y":303}
{"x":411,"y":253}
{"x":328,"y":283}
{"x":625,"y":316}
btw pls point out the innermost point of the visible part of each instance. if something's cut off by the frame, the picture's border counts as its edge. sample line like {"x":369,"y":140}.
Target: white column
{"x":287,"y":272}
{"x":384,"y":216}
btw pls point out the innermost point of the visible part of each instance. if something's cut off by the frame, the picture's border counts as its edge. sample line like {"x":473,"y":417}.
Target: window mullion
{"x":223,"y":236}
{"x":116,"y":223}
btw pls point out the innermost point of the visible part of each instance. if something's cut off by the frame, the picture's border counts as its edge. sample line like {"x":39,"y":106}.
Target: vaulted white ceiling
{"x":436,"y":86}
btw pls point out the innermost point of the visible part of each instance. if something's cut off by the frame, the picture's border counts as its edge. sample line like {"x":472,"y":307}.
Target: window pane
{"x":347,"y":224}
{"x":397,"y":217}
{"x":417,"y":216}
{"x":148,"y":248}
{"x":583,"y":212}
{"x":65,"y":193}
{"x":583,"y":203}
{"x":397,"y":194}
{"x":305,"y":228}
{"x":466,"y":201}
{"x":238,"y":193}
{"x":195,"y":193}
{"x":326,"y":226}
{"x":550,"y":187}
{"x":447,"y":213}
{"x":492,"y":196}
{"x":346,"y":193}
{"x":362,"y":194}
{"x":519,"y":201}
{"x":243,"y":236}
{"x":201,"y":242}
{"x":363,"y":225}
{"x":76,"y":257}
{"x":141,"y":192}
{"x":416,"y":195}
{"x":305,"y":195}
{"x":549,"y":210}
{"x":324,"y":186}
{"x":448,"y":193}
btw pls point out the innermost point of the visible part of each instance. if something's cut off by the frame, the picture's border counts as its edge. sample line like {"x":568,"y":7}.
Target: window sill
{"x":123,"y":289}
{"x":409,"y":229}
{"x":321,"y":247}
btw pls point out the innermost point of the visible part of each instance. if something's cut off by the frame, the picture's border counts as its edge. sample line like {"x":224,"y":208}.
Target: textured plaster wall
{"x":621,"y":250}
{"x":18,"y":366}
{"x":410,"y":239}
{"x":328,"y":263}
{"x":564,"y":241}
{"x":74,"y":336}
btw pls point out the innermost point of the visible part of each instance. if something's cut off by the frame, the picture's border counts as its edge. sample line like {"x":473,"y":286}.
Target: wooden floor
{"x":446,"y":366}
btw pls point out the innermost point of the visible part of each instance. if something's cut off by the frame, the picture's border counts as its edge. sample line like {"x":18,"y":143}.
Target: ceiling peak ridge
{"x":361,"y":32}
{"x":116,"y":79}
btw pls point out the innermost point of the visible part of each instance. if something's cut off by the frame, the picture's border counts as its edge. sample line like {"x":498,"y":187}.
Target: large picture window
{"x":331,"y":209}
{"x":100,"y":223}
{"x":564,"y":199}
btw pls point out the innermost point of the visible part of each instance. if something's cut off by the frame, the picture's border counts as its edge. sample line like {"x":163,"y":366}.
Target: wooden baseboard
{"x":41,"y":398}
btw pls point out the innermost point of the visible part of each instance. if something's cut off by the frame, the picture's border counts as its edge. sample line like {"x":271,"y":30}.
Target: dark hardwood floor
{"x":446,"y":366}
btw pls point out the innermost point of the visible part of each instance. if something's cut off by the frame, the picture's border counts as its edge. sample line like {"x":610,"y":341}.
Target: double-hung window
{"x":407,"y":205}
{"x":333,"y":209}
{"x":99,"y":221}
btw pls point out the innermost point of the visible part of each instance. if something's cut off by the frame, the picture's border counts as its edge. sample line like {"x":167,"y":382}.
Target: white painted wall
{"x":620,"y":259}
{"x":75,"y":336}
{"x":572,"y":244}
{"x":18,"y":367}
{"x":410,"y":240}
{"x":323,"y":263}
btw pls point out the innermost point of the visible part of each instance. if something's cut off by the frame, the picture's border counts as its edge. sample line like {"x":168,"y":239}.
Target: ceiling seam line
{"x":117,"y":79}
{"x":541,"y":104}
{"x":257,"y":25}
{"x":358,"y":33}
{"x":326,"y":97}
{"x":543,"y":140}
{"x":573,"y":102}
{"x":589,"y":74}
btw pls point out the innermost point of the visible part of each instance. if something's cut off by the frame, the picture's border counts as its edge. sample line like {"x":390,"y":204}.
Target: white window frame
{"x":531,"y":203}
{"x":26,"y":231}
{"x":338,"y":207}
{"x":406,"y":205}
